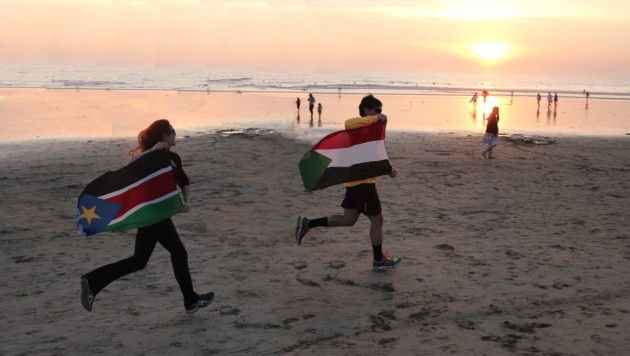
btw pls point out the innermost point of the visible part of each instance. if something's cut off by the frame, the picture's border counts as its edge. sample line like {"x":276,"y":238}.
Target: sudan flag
{"x":137,"y":195}
{"x":346,"y":156}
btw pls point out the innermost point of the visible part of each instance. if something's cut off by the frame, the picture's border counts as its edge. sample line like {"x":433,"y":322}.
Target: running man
{"x":361,"y":196}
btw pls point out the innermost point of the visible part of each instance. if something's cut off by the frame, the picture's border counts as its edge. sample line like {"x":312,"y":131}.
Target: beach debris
{"x":528,"y":140}
{"x":249,"y":132}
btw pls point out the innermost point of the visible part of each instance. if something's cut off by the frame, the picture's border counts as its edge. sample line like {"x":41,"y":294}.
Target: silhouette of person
{"x":298,"y":102}
{"x":491,"y":137}
{"x":549,"y":99}
{"x":311,"y":103}
{"x":555,"y":99}
{"x":538,"y":98}
{"x":473,"y":99}
{"x":485,"y":94}
{"x":319,"y":110}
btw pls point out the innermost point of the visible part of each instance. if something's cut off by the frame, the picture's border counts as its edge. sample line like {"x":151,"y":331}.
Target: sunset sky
{"x":586,"y":38}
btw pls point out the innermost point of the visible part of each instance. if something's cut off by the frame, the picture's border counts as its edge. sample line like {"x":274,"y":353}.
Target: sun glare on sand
{"x":490,"y":51}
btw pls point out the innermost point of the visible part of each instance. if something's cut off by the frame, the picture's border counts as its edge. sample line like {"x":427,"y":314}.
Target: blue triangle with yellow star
{"x":94,"y":214}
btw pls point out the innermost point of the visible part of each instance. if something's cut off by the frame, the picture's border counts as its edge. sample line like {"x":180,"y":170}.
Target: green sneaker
{"x":301,"y":229}
{"x":385,"y":263}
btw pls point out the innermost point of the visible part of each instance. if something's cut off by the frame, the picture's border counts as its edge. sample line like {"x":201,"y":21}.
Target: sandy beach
{"x":524,"y":254}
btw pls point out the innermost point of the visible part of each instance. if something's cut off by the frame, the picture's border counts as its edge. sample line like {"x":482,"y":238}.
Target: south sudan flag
{"x":346,"y":156}
{"x":140,"y":194}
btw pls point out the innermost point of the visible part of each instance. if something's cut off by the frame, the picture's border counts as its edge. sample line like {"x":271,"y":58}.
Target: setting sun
{"x":490,"y":51}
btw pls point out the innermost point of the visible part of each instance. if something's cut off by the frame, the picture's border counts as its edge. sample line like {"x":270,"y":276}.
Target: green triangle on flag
{"x":312,"y":167}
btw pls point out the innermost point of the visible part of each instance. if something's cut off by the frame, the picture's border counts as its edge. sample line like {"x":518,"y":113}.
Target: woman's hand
{"x":381,"y":117}
{"x":394,"y":173}
{"x":185,"y":208}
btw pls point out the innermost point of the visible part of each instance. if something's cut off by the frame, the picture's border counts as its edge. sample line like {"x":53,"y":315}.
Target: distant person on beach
{"x":298,"y":102}
{"x":491,"y":136}
{"x":160,"y":135}
{"x":555,"y":99}
{"x":485,"y":94}
{"x":311,"y":103}
{"x":473,"y":100}
{"x":319,"y":111}
{"x":361,"y":196}
{"x":549,"y":99}
{"x":538,"y":97}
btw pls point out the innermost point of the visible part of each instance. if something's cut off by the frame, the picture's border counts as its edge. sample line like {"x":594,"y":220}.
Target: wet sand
{"x":54,"y":113}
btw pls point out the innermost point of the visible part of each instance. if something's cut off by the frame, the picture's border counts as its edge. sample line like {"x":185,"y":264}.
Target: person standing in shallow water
{"x":160,"y":135}
{"x":491,"y":136}
{"x":361,"y":196}
{"x":311,"y":104}
{"x":319,"y":111}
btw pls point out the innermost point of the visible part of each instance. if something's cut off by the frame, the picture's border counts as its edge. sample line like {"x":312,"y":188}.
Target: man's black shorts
{"x":364,"y":198}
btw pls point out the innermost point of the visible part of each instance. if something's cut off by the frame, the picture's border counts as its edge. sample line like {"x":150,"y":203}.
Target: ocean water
{"x":197,"y":78}
{"x":77,"y":101}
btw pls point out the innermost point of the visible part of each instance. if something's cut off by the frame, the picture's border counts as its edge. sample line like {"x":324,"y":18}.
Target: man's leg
{"x":348,"y":218}
{"x":376,"y":229}
{"x":381,"y":262}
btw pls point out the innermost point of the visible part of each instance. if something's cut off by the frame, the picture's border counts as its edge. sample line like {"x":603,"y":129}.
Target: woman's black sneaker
{"x":203,"y":301}
{"x":87,"y":297}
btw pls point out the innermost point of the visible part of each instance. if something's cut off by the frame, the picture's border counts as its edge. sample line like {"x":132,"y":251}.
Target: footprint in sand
{"x":308,"y":282}
{"x":529,"y":328}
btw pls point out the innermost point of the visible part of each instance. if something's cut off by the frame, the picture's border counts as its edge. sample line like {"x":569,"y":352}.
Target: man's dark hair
{"x":368,"y":102}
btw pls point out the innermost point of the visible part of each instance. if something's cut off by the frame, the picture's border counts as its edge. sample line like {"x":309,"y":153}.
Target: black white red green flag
{"x":140,"y":194}
{"x":346,"y":156}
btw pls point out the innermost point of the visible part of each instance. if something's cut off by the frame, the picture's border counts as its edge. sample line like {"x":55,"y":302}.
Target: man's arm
{"x":357,"y":122}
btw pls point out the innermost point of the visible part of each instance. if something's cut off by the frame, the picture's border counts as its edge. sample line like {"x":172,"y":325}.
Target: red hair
{"x":153,"y":134}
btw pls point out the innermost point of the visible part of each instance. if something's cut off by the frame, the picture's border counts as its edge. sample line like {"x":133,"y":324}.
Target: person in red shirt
{"x":491,"y":137}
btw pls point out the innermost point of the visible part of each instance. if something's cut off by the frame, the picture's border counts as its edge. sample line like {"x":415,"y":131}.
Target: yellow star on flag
{"x":89,"y":214}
